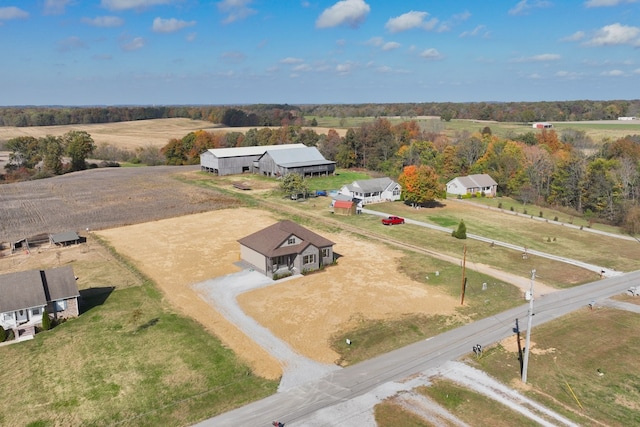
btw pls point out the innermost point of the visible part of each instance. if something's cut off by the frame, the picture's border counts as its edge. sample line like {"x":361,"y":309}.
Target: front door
{"x":22,"y":316}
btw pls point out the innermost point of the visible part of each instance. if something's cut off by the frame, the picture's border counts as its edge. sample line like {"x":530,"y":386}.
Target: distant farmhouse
{"x":473,"y":184}
{"x":286,"y":248}
{"x":628,"y":118}
{"x":374,"y":190}
{"x":542,"y":125}
{"x":269,"y":160}
{"x":25,"y":295}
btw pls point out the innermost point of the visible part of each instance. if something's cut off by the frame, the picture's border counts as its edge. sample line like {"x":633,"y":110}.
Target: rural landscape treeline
{"x":566,"y":169}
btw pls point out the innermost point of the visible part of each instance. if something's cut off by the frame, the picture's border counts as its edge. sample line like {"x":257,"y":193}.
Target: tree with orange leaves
{"x":420,"y":184}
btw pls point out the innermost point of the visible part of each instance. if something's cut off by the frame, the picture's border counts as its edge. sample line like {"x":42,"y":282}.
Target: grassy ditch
{"x":127,"y":360}
{"x":581,"y":365}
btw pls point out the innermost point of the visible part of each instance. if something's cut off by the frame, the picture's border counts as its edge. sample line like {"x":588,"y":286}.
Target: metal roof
{"x":256,"y":150}
{"x":66,"y":236}
{"x":373,"y":185}
{"x":297,"y":157}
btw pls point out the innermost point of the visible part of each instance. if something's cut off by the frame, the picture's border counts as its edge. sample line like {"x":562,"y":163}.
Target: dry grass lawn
{"x":304,"y":312}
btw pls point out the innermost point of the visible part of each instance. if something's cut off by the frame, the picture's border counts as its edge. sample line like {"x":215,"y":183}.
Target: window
{"x":7,"y":316}
{"x":325,"y":253}
{"x":61,"y":305}
{"x":292,"y":240}
{"x":36,"y":311}
{"x":309,"y":259}
{"x":396,"y":191}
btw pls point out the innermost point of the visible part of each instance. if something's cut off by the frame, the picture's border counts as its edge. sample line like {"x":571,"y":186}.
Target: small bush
{"x":500,"y":205}
{"x":511,"y":208}
{"x":282,"y":275}
{"x":461,"y":232}
{"x":555,"y":218}
{"x":549,"y":239}
{"x":540,"y":214}
{"x":46,"y":321}
{"x":525,"y":211}
{"x":3,"y":334}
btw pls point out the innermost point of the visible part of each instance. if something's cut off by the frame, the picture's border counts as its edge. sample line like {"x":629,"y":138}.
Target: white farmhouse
{"x":473,"y":184}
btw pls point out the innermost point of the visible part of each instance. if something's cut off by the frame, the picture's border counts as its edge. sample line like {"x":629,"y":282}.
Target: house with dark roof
{"x":374,"y":190}
{"x":25,"y":295}
{"x":473,"y":184}
{"x":286,"y":247}
{"x":305,"y":161}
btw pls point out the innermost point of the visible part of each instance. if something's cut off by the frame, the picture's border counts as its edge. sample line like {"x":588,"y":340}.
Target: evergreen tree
{"x":461,"y":232}
{"x":46,"y":321}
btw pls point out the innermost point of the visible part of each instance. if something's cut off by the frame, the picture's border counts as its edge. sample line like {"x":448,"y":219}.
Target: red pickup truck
{"x":392,"y":220}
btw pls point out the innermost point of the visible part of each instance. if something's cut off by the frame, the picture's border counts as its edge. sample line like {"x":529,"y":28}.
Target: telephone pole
{"x":528,"y":339}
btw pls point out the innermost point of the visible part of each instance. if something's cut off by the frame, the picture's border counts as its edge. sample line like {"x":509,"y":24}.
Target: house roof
{"x":268,"y":241}
{"x":298,"y":157}
{"x":21,"y":290}
{"x":66,"y":236}
{"x":34,"y":288}
{"x":257,"y":150}
{"x":61,"y":283}
{"x":475,"y":181}
{"x":373,"y":185}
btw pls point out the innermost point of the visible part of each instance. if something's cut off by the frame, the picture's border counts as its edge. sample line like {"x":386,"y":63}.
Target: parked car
{"x":392,"y":220}
{"x":321,"y":193}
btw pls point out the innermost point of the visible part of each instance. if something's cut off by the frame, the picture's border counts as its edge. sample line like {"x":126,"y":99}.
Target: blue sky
{"x":143,"y":52}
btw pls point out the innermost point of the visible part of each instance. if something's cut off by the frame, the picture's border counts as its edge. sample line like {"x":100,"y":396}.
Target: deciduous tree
{"x":420,"y":184}
{"x":78,"y":145}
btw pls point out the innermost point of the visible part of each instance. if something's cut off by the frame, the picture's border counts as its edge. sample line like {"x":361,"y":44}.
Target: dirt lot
{"x":304,"y":312}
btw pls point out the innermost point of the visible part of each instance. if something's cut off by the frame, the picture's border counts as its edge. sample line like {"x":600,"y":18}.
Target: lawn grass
{"x":389,"y":414}
{"x":565,"y":360}
{"x":126,"y":360}
{"x":374,"y":337}
{"x":472,"y":407}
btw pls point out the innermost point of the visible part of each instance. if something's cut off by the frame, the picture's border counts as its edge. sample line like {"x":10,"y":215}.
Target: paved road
{"x":293,"y":406}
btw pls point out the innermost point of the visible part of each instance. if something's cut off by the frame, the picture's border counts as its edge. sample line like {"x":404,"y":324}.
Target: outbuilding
{"x":237,"y":160}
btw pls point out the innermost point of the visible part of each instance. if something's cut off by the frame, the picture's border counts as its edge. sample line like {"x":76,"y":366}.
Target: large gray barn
{"x":237,"y":160}
{"x":305,"y":161}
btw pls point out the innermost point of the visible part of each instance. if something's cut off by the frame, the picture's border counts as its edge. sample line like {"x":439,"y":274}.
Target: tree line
{"x":284,"y":114}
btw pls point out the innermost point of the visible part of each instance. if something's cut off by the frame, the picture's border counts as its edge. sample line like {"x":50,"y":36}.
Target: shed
{"x":305,"y":161}
{"x":344,"y":207}
{"x":65,"y":238}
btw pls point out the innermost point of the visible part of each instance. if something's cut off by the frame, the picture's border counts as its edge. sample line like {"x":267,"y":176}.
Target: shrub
{"x":511,"y":208}
{"x":46,"y":321}
{"x":282,"y":275}
{"x":525,"y":211}
{"x":540,"y":214}
{"x":3,"y":334}
{"x":461,"y":232}
{"x":500,"y":205}
{"x":555,"y":218}
{"x":549,"y":239}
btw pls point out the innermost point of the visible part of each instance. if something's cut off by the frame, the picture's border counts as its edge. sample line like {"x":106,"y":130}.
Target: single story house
{"x":236,"y":160}
{"x":473,"y":184}
{"x":286,"y":247}
{"x":374,"y":190}
{"x":26,"y":294}
{"x":305,"y":161}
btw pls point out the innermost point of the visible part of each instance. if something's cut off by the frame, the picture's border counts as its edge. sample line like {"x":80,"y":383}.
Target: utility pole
{"x":464,"y":278}
{"x":528,"y":339}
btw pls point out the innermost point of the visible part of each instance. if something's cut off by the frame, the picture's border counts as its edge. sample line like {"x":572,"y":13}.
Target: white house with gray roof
{"x":473,"y":184}
{"x":374,"y":190}
{"x":305,"y":161}
{"x":237,"y":160}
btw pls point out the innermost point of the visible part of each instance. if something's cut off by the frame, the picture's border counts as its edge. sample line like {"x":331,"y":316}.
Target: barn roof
{"x":257,"y":150}
{"x":343,"y":204}
{"x":269,"y":241}
{"x":298,"y":157}
{"x":34,"y":288}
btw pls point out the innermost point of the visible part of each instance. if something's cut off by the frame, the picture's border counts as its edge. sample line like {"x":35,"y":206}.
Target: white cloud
{"x":344,"y":69}
{"x":570,"y":75}
{"x":104,"y":21}
{"x":375,"y":41}
{"x":636,"y":71}
{"x":523,"y":7}
{"x":291,"y":60}
{"x":351,"y":13}
{"x":55,"y":7}
{"x":302,"y":67}
{"x":170,"y":25}
{"x":132,"y":4}
{"x":453,"y":21}
{"x":544,"y":57}
{"x":431,"y":53}
{"x":410,"y":20}
{"x":71,"y":43}
{"x":191,"y":37}
{"x":607,"y":3}
{"x":390,"y":46}
{"x":12,"y":12}
{"x":577,"y":36}
{"x":616,"y":34}
{"x":133,"y":44}
{"x":612,"y":73}
{"x":233,"y":56}
{"x":237,"y":10}
{"x":479,"y":30}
